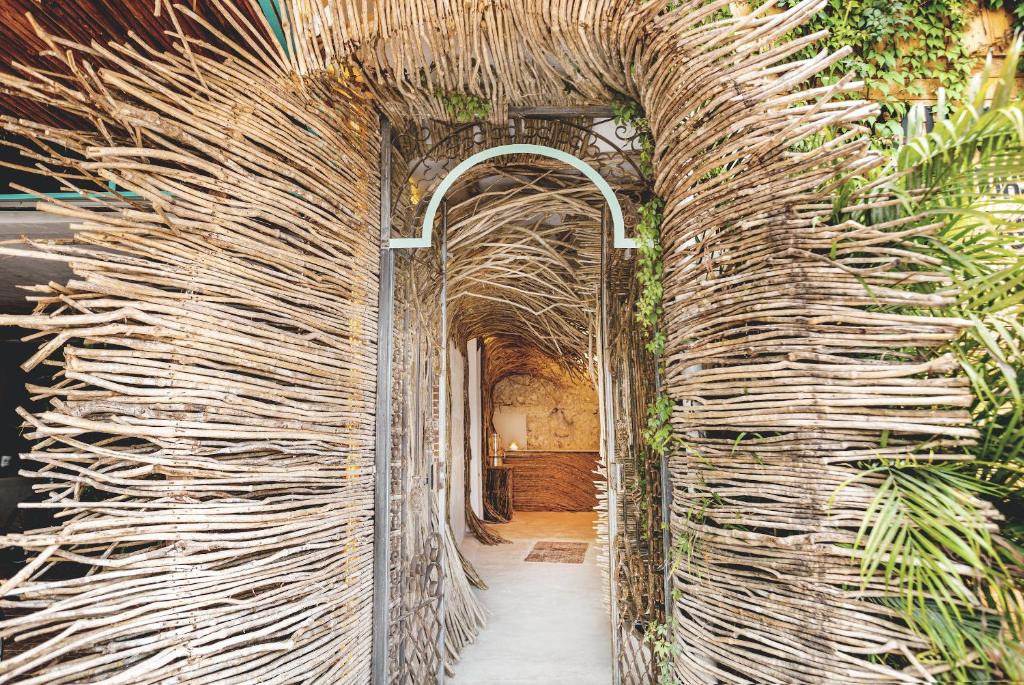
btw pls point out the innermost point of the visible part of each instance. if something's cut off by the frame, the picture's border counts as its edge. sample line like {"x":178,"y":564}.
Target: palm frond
{"x":929,"y":534}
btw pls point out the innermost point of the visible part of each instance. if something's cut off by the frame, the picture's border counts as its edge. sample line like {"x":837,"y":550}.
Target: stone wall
{"x":560,"y":413}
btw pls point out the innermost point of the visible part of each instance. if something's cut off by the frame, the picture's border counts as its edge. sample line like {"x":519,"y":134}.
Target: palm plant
{"x":929,"y":532}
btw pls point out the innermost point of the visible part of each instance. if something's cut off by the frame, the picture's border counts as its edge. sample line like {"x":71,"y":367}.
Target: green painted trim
{"x":19,"y":197}
{"x":618,"y":225}
{"x":272,"y":11}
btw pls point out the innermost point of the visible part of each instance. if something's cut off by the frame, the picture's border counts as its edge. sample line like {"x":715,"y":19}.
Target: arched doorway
{"x":609,"y":230}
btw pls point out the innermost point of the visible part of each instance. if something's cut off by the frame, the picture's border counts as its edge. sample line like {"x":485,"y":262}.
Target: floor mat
{"x":554,"y":552}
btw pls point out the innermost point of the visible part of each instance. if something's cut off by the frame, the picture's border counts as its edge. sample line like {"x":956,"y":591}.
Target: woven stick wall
{"x":639,"y":514}
{"x":553,"y":481}
{"x":208,"y":439}
{"x":783,"y":377}
{"x":265,"y":250}
{"x":752,"y":293}
{"x":422,"y":542}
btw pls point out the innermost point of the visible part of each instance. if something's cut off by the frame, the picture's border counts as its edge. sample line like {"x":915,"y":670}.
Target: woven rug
{"x":558,"y":552}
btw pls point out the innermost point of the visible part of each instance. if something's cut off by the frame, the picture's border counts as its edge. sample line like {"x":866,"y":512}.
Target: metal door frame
{"x":382,"y":440}
{"x":611,"y":465}
{"x":382,"y":492}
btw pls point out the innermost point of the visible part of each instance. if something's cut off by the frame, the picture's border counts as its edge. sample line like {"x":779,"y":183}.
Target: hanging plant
{"x":649,"y":272}
{"x":650,"y":268}
{"x":463,"y":107}
{"x":658,"y":437}
{"x":628,"y":113}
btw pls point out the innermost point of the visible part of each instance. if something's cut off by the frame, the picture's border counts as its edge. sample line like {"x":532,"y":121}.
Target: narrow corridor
{"x":547,"y":623}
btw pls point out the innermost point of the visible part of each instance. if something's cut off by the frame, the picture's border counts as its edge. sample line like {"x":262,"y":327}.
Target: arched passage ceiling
{"x":523,"y":229}
{"x":525,"y":257}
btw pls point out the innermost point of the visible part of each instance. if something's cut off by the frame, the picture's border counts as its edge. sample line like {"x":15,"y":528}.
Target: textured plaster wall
{"x":559,"y":415}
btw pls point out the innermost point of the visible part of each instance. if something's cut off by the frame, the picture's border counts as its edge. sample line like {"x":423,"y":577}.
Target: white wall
{"x":510,"y":425}
{"x":476,"y":495}
{"x":456,"y":452}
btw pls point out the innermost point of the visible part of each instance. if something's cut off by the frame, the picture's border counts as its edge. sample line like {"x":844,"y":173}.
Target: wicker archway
{"x":208,"y":440}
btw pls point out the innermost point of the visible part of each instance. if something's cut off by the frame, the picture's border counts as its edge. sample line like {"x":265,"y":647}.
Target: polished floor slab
{"x":547,"y":623}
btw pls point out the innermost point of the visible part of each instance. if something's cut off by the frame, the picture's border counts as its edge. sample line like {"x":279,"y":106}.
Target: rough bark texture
{"x":559,"y":415}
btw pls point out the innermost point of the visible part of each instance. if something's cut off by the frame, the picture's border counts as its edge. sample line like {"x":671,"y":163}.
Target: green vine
{"x":664,"y":649}
{"x":463,"y":107}
{"x":630,"y":113}
{"x":650,"y":269}
{"x":898,"y":45}
{"x":658,"y":438}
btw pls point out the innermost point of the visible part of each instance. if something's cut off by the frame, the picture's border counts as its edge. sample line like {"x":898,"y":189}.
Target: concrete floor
{"x":547,"y":624}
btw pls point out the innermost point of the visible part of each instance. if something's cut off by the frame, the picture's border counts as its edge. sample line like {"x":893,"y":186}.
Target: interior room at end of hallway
{"x":538,"y":413}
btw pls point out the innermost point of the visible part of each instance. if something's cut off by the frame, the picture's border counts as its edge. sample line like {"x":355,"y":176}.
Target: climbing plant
{"x":628,"y":113}
{"x":463,"y":107}
{"x":657,"y":434}
{"x":650,"y":269}
{"x":658,"y":437}
{"x":664,"y":648}
{"x":649,"y":272}
{"x":898,"y":46}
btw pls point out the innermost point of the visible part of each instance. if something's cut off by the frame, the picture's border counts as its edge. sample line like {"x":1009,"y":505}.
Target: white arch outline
{"x":618,"y":226}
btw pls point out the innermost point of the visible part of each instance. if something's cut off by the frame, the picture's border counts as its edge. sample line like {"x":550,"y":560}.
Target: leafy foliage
{"x":650,"y":267}
{"x":896,"y":45}
{"x":650,"y":271}
{"x":629,"y":113}
{"x":658,"y":433}
{"x":464,"y":107}
{"x":658,"y":437}
{"x":928,"y":533}
{"x":664,"y":648}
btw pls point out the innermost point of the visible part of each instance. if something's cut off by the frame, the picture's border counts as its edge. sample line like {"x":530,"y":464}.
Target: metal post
{"x":609,"y":444}
{"x":442,"y":452}
{"x":382,"y":454}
